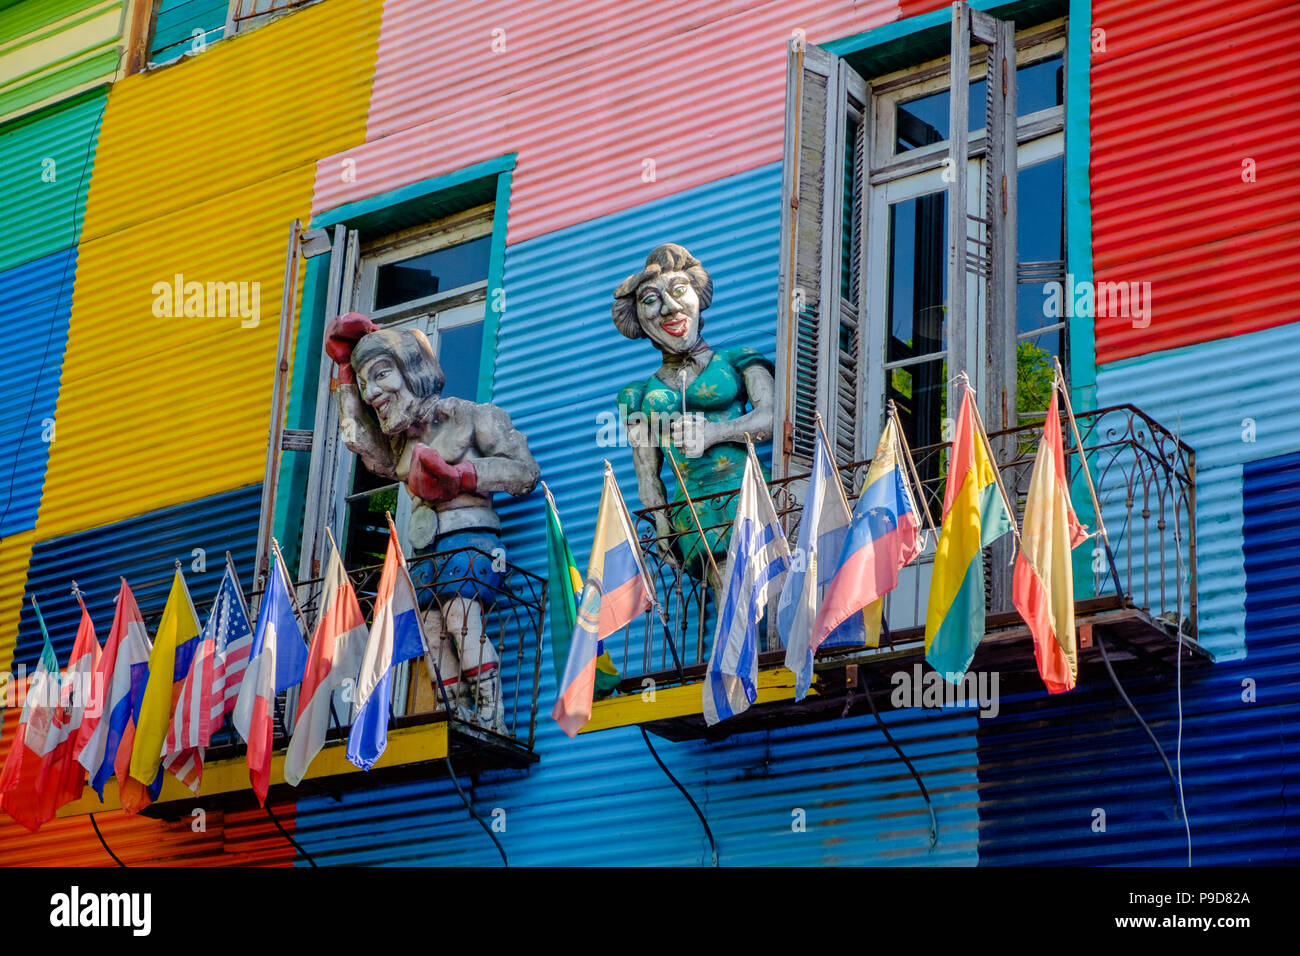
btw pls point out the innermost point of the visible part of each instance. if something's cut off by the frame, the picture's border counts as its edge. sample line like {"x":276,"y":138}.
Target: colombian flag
{"x":616,"y":591}
{"x":1042,"y":587}
{"x":974,"y":516}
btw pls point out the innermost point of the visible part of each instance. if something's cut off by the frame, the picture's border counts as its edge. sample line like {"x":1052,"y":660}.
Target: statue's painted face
{"x":669,"y":312}
{"x":383,"y":388}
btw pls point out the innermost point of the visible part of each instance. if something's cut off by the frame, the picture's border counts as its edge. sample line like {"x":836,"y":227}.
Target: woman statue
{"x":452,"y":454}
{"x":710,"y":399}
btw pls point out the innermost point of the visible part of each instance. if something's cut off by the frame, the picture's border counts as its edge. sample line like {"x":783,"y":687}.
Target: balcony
{"x":492,"y":724}
{"x":1145,"y":479}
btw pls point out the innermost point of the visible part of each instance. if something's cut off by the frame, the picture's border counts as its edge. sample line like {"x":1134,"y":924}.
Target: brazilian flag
{"x":565,"y":586}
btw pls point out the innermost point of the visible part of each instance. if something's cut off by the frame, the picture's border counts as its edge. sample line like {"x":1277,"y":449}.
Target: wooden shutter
{"x":985,"y":245}
{"x":821,"y":289}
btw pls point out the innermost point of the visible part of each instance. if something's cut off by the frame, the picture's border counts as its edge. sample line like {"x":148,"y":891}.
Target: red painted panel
{"x":1184,"y":93}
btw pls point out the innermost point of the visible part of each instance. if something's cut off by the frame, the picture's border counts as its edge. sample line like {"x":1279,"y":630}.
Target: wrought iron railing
{"x":1145,"y":481}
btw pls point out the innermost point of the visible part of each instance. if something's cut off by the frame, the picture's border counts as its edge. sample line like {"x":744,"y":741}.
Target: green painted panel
{"x":43,"y":201}
{"x":56,"y":47}
{"x":176,"y":22}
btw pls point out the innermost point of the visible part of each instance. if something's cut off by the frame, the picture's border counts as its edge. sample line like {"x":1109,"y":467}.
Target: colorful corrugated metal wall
{"x":210,"y":201}
{"x":55,"y":48}
{"x":186,"y":26}
{"x":1184,"y":96}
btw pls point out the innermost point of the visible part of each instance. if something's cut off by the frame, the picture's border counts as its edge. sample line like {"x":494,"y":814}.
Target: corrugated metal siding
{"x":861,"y":803}
{"x":141,"y":550}
{"x":45,"y":216}
{"x":37,"y":299}
{"x":15,"y":556}
{"x":1248,"y":393}
{"x":574,"y":103}
{"x":50,"y":49}
{"x":1046,"y":764}
{"x":242,"y":115}
{"x":1169,"y":203}
{"x":153,"y":412}
{"x":176,"y":21}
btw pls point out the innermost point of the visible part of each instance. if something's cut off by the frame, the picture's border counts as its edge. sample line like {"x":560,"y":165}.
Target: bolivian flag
{"x":563,"y":602}
{"x":974,"y":516}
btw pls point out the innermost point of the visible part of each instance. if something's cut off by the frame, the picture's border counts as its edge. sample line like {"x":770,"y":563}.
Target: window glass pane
{"x":433,"y":272}
{"x":367,"y":528}
{"x":918,"y":276}
{"x":921,"y":394}
{"x":459,"y":350}
{"x":924,"y":120}
{"x":1034,"y":372}
{"x":1040,"y":240}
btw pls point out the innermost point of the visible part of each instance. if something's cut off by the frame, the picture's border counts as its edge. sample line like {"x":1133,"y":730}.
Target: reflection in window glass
{"x":1041,"y":247}
{"x":918,"y":276}
{"x":924,"y":120}
{"x":422,"y":276}
{"x":459,"y":350}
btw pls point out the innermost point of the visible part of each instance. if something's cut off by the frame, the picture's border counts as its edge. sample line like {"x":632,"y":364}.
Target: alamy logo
{"x":134,"y":910}
{"x":930,"y":689}
{"x":208,"y":300}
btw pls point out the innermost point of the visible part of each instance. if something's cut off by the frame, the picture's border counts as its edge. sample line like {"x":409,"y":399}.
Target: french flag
{"x":614,"y":594}
{"x":123,"y":669}
{"x":395,"y":636}
{"x":275,"y":664}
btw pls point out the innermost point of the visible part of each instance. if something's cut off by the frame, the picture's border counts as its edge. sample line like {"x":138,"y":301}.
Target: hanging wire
{"x":285,"y":833}
{"x":708,"y":832}
{"x":934,"y":825}
{"x":1178,"y":664}
{"x":103,"y":843}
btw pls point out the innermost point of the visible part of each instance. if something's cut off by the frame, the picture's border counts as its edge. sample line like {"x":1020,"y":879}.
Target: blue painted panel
{"x":601,"y":799}
{"x":142,"y":550}
{"x":1249,"y":414}
{"x":38,"y":299}
{"x":1048,"y":764}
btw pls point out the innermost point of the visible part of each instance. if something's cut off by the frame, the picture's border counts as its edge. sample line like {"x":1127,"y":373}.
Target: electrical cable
{"x":104,"y":844}
{"x":708,"y":832}
{"x":934,"y":825}
{"x":285,"y":834}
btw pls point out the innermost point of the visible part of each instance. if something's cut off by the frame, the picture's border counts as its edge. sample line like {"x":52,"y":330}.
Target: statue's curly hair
{"x":411,"y":351}
{"x":669,"y":257}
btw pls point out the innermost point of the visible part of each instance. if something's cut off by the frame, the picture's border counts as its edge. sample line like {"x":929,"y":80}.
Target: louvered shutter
{"x":821,"y":290}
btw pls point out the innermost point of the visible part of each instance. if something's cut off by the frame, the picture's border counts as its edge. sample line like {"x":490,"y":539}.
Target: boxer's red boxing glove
{"x":342,"y":334}
{"x":433,"y":480}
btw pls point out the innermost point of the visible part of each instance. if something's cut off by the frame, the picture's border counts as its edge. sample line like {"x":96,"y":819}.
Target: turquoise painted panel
{"x":173,"y":32}
{"x":45,"y":163}
{"x":37,"y":298}
{"x":1234,"y":400}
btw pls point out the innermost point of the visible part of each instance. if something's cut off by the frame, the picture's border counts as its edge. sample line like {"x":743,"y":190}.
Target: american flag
{"x":212,"y":684}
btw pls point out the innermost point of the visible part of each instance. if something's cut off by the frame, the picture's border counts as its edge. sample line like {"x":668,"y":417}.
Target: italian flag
{"x":1042,"y":587}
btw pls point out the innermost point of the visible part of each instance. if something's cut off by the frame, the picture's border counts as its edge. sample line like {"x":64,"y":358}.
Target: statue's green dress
{"x":718,"y":393}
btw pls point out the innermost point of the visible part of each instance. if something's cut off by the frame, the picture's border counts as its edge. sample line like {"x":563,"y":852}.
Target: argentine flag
{"x":395,"y":636}
{"x":757,"y":560}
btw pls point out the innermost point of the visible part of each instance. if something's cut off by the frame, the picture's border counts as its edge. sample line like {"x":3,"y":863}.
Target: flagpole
{"x":690,"y":504}
{"x":993,"y":462}
{"x":630,"y":530}
{"x":892,"y":412}
{"x":239,"y":591}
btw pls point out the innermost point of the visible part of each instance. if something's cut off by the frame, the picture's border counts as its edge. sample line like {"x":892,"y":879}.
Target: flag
{"x":565,"y":588}
{"x":974,"y":516}
{"x":1042,"y":587}
{"x":396,"y":635}
{"x":335,"y":657}
{"x":616,"y":591}
{"x":883,"y":538}
{"x":757,"y":557}
{"x":123,"y":669}
{"x":20,"y":795}
{"x":201,"y":704}
{"x":174,"y":645}
{"x":62,"y":778}
{"x":232,"y":645}
{"x":822,"y":532}
{"x":275,"y":663}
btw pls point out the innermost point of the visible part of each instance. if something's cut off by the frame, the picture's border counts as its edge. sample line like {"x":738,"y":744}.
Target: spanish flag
{"x":974,"y":516}
{"x":1042,"y":587}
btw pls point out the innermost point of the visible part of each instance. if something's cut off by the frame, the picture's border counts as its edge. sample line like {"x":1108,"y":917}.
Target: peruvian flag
{"x":275,"y":663}
{"x":1042,"y":587}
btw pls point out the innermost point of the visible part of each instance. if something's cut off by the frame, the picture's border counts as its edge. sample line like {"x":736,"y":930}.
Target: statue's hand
{"x":342,"y":333}
{"x":693,"y":434}
{"x":433,"y":480}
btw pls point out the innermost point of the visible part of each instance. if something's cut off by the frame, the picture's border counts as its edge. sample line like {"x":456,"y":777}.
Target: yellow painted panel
{"x":247,"y":109}
{"x":15,"y":556}
{"x":405,"y":746}
{"x":633,"y":709}
{"x":155,"y":410}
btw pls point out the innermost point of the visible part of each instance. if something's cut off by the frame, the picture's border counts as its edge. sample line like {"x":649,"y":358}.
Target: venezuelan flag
{"x":974,"y":516}
{"x":616,"y":591}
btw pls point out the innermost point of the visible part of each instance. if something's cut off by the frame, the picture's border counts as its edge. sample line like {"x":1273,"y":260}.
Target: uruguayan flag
{"x":826,"y":520}
{"x":395,"y":636}
{"x":757,"y":559}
